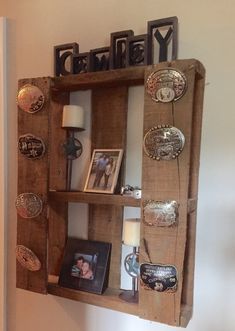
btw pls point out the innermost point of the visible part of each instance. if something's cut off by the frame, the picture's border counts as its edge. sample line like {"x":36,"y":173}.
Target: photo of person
{"x":109,"y":170}
{"x":103,"y":171}
{"x":100,"y":168}
{"x":87,"y":272}
{"x":84,"y":266}
{"x":77,"y":268}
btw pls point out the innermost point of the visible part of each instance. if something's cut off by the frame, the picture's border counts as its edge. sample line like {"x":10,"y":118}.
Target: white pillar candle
{"x":131,"y":232}
{"x":73,"y":117}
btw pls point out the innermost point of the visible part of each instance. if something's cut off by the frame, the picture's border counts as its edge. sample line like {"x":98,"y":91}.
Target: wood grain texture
{"x":105,"y":224}
{"x":58,"y":211}
{"x":109,"y":120}
{"x":93,"y":80}
{"x":164,"y":180}
{"x":187,"y":293}
{"x":109,"y":299}
{"x":57,"y":137}
{"x":57,"y":235}
{"x":109,"y":117}
{"x":169,"y":180}
{"x":33,"y":177}
{"x":95,"y":198}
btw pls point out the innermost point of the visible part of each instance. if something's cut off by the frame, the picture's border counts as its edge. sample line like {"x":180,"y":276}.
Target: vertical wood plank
{"x":58,"y":212}
{"x":33,"y":177}
{"x":168,"y":180}
{"x":188,"y":282}
{"x":109,"y":121}
{"x":105,"y":224}
{"x":109,"y":117}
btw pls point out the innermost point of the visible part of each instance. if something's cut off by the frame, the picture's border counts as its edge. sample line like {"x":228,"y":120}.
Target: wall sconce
{"x":131,"y":237}
{"x":73,"y":120}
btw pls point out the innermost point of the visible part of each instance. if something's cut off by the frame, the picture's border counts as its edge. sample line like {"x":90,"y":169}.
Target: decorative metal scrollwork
{"x":28,"y":205}
{"x":166,"y":85}
{"x":30,"y":98}
{"x":163,"y":142}
{"x":27,"y":258}
{"x":160,"y":213}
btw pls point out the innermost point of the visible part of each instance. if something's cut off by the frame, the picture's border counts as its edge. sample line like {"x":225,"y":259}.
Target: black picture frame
{"x":91,"y":274}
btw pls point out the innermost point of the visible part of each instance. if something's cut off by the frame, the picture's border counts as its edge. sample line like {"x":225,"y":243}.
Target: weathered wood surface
{"x":58,"y":211}
{"x":109,"y":120}
{"x":109,"y":299}
{"x":92,"y":80}
{"x":164,"y":180}
{"x":169,"y":180}
{"x":33,"y":177}
{"x":187,"y":292}
{"x":95,"y":198}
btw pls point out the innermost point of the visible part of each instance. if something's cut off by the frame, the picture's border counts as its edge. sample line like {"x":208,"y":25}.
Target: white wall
{"x":207,"y":30}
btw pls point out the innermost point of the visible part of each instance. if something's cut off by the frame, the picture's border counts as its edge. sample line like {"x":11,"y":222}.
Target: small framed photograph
{"x":85,"y":265}
{"x":103,"y":171}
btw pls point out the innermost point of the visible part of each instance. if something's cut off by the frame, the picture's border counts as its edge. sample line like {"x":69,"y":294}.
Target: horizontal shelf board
{"x":109,"y":299}
{"x":94,"y":198}
{"x":85,"y":81}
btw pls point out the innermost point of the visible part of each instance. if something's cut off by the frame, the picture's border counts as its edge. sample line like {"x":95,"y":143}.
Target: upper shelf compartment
{"x":86,"y":81}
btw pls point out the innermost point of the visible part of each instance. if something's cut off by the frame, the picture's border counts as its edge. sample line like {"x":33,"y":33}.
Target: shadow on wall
{"x":45,"y":312}
{"x":83,"y":317}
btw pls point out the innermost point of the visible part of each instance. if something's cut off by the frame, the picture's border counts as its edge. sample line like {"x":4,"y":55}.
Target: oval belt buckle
{"x":31,"y":147}
{"x":166,"y":85}
{"x":30,"y":98}
{"x":28,"y":205}
{"x":163,"y":142}
{"x":27,"y":258}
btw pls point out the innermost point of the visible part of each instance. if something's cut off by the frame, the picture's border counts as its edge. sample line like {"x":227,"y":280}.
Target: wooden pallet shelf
{"x":94,"y":198}
{"x":104,"y":199}
{"x":46,"y":235}
{"x":91,"y":80}
{"x":109,"y":299}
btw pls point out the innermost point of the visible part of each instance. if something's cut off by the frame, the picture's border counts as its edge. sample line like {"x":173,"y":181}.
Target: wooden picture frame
{"x":103,"y":171}
{"x":85,"y":265}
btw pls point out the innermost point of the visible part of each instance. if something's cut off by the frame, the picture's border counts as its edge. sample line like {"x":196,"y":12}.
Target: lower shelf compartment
{"x":109,"y":299}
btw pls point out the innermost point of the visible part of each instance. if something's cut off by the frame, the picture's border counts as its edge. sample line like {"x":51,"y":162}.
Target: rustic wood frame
{"x":161,"y":181}
{"x":173,"y":180}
